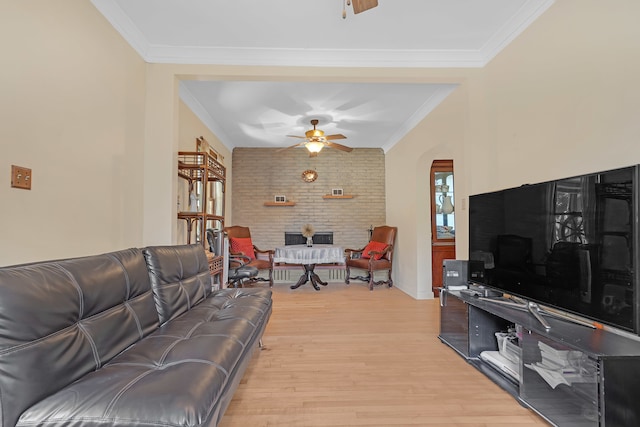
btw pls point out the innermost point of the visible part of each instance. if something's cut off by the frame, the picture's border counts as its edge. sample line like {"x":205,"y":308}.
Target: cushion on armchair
{"x":373,"y":246}
{"x":242,"y":244}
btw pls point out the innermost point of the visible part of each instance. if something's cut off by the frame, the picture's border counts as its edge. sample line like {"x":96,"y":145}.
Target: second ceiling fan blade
{"x":336,"y":136}
{"x":300,"y":144}
{"x":339,"y":146}
{"x":362,"y":5}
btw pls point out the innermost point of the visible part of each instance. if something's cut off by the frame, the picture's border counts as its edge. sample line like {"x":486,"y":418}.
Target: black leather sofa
{"x":129,"y":338}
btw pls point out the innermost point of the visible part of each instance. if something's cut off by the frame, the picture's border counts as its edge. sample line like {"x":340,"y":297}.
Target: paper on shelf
{"x":560,"y":366}
{"x":556,"y":377}
{"x":553,"y":378}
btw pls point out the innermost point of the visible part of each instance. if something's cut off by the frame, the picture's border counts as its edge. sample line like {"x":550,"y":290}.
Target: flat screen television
{"x":571,"y":244}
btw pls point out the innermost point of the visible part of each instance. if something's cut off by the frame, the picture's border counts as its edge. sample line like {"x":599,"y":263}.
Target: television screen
{"x":568,"y":244}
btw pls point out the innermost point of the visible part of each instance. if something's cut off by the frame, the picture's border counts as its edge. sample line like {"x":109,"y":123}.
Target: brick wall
{"x":261,"y":173}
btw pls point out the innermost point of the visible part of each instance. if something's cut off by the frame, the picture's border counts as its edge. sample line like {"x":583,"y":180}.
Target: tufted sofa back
{"x":180,"y":278}
{"x":60,"y":320}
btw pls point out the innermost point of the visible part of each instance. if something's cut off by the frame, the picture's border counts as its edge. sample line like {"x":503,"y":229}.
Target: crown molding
{"x":525,"y":16}
{"x":384,"y":58}
{"x":429,"y":105}
{"x":196,"y":107}
{"x":123,"y":25}
{"x":407,"y":58}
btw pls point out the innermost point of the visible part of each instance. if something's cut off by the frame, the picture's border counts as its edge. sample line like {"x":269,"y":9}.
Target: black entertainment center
{"x":608,"y":392}
{"x":552,"y":314}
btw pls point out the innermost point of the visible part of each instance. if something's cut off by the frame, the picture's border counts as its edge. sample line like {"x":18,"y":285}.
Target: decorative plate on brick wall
{"x":309,"y":175}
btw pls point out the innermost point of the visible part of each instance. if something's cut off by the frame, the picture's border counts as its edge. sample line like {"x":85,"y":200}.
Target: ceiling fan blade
{"x":339,"y":146}
{"x":300,"y":144}
{"x":362,"y":5}
{"x":297,"y":136}
{"x":336,"y":136}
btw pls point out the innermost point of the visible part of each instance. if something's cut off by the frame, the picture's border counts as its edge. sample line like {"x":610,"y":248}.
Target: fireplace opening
{"x":319,"y":238}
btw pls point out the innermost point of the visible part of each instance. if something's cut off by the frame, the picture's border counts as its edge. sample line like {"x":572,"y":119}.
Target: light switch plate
{"x":20,"y":177}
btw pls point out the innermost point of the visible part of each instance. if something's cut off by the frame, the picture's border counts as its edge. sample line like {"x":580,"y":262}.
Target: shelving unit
{"x":605,"y":390}
{"x":216,"y":269}
{"x":205,"y":179}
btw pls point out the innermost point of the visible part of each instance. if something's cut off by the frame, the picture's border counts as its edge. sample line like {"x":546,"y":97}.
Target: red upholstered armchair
{"x":376,"y":256}
{"x":240,"y":243}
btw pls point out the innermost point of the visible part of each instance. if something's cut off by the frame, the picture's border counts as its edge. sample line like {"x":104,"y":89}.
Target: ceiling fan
{"x":315,"y":140}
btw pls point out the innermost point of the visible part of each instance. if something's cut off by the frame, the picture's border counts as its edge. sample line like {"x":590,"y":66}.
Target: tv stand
{"x":599,"y":384}
{"x":531,"y":307}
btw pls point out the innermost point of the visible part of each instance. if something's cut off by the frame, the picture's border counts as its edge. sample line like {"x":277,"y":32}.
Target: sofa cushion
{"x":363,"y":263}
{"x":182,"y":375}
{"x":376,"y":247}
{"x":180,"y":278}
{"x":243,"y":245}
{"x":63,"y":319}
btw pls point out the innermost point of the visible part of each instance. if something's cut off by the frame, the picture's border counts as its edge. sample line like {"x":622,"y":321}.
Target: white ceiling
{"x":397,"y":33}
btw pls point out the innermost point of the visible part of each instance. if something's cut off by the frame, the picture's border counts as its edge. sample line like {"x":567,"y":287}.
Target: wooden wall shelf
{"x":344,"y":196}
{"x":279,"y":203}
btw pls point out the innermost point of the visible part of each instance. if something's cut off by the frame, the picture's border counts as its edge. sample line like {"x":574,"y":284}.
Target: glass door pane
{"x":443,"y":202}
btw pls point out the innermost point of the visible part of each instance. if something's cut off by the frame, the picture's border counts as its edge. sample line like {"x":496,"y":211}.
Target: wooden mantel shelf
{"x":344,"y":196}
{"x":279,"y":203}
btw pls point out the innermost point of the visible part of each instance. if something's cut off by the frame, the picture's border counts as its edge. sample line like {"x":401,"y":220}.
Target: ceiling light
{"x":314,"y":146}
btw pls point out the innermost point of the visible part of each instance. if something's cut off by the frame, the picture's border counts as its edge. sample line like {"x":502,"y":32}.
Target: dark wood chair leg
{"x":347,"y":273}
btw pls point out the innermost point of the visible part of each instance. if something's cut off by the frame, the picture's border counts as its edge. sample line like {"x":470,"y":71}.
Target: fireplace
{"x":319,"y":238}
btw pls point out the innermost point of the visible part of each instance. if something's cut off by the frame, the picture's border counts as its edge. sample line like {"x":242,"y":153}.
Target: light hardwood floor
{"x":345,"y":356}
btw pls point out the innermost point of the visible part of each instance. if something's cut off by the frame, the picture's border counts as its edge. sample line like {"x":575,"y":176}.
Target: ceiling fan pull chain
{"x":344,"y":9}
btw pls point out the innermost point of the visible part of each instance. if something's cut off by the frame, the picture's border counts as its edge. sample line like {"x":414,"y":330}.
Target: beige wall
{"x":562,"y":99}
{"x":439,"y":136}
{"x":559,"y":101}
{"x":72,"y":110}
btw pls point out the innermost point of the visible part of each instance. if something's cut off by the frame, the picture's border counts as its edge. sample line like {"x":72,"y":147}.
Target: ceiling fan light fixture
{"x":315,"y":140}
{"x":314,"y":146}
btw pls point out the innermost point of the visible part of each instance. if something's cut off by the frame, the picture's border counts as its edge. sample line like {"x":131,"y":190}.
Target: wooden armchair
{"x":376,"y":256}
{"x":240,"y":243}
